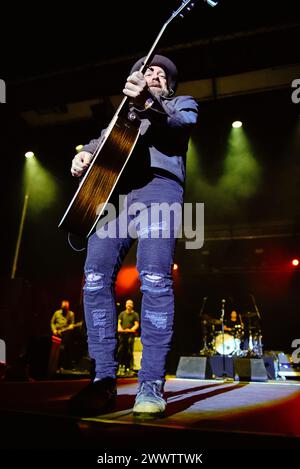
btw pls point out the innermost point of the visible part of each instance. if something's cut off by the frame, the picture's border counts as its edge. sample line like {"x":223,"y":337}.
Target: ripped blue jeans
{"x":155,"y":254}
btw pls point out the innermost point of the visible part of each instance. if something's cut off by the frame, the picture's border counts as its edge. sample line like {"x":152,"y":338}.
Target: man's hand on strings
{"x":136,"y":87}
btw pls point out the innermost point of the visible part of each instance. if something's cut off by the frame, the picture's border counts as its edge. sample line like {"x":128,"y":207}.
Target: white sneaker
{"x":149,"y":402}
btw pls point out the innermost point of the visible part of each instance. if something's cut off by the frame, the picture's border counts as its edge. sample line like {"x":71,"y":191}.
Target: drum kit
{"x":244,"y":339}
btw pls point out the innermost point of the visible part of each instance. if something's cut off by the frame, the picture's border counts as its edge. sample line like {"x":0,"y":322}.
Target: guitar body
{"x":102,"y":176}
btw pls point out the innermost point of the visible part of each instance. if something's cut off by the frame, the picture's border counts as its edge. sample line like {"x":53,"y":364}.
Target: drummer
{"x":234,"y":323}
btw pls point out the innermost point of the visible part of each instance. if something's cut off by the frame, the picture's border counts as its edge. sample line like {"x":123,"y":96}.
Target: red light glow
{"x":127,"y":279}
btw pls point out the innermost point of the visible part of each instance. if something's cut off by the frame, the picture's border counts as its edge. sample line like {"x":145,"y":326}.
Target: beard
{"x":157,"y":92}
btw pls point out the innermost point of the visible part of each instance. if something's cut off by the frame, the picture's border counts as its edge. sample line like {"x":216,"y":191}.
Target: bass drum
{"x":226,"y":346}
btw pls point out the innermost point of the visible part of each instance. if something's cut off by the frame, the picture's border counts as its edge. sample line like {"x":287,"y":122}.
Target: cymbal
{"x":205,"y":317}
{"x":216,"y":322}
{"x":209,"y":319}
{"x":249,"y":314}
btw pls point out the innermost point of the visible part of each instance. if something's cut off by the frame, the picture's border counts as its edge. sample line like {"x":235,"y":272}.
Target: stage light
{"x":39,"y":183}
{"x":295,"y":262}
{"x":127,"y":279}
{"x":237,"y":124}
{"x":79,"y":148}
{"x":175,"y":266}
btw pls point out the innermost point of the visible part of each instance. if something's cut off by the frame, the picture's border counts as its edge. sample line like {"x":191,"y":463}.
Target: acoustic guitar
{"x":111,"y":155}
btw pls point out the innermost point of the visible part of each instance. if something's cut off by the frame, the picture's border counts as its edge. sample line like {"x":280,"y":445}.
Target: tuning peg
{"x":212,"y":3}
{"x":188,"y":8}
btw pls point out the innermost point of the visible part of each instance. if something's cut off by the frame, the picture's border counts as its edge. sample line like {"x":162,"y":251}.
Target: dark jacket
{"x":165,"y":132}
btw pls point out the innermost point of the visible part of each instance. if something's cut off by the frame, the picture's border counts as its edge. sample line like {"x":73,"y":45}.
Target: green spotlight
{"x":40,"y":184}
{"x":194,"y":173}
{"x":242,"y":172}
{"x":79,"y":148}
{"x":237,"y":124}
{"x":29,"y":154}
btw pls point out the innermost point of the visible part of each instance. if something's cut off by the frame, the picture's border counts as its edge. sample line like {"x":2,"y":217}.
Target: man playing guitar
{"x":63,"y":319}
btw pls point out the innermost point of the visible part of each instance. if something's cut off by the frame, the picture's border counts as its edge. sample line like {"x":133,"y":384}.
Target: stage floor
{"x":217,"y":413}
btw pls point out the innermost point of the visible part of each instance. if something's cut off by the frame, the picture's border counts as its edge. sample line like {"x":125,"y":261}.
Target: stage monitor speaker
{"x":250,"y":369}
{"x":221,"y":366}
{"x":193,"y":368}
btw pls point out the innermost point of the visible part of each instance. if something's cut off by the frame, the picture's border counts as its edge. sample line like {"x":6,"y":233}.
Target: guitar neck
{"x":185,"y":5}
{"x":70,"y":326}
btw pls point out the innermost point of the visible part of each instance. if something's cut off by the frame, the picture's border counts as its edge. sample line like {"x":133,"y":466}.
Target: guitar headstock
{"x":187,"y":5}
{"x":212,"y":3}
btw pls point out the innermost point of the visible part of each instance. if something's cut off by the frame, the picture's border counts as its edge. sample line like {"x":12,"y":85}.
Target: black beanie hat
{"x":166,"y":64}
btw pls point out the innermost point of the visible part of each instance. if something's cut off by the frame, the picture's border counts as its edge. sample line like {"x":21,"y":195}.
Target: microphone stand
{"x":260,"y":347}
{"x":224,"y":374}
{"x":255,"y":307}
{"x":205,"y":348}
